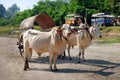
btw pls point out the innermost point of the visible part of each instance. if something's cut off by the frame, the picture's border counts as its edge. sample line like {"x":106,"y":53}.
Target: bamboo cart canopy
{"x":43,"y":20}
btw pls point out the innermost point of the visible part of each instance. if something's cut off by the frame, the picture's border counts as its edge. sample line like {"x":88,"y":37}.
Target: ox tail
{"x":20,"y":44}
{"x":72,"y":46}
{"x":21,"y":38}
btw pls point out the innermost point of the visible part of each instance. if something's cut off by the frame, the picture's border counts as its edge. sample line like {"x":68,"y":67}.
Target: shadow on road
{"x":101,"y":65}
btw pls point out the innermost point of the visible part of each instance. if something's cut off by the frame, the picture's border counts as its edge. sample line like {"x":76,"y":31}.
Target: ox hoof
{"x":50,"y":69}
{"x":79,"y":61}
{"x":63,"y":58}
{"x":70,"y":58}
{"x":56,"y":70}
{"x":84,"y":60}
{"x":25,"y":69}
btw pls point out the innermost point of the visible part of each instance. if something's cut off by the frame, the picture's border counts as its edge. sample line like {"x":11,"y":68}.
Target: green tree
{"x":58,"y":9}
{"x":116,"y":9}
{"x":11,"y":11}
{"x":2,"y":11}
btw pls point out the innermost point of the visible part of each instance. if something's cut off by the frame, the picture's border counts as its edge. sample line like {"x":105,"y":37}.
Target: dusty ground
{"x":103,"y":63}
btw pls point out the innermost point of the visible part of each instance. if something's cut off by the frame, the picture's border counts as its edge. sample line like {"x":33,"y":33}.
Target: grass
{"x":107,"y":37}
{"x":4,"y":30}
{"x":111,"y":40}
{"x":9,"y":32}
{"x":110,"y":29}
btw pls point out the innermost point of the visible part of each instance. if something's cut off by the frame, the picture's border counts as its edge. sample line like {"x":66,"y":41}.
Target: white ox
{"x":20,"y":41}
{"x":83,"y":39}
{"x":53,"y":42}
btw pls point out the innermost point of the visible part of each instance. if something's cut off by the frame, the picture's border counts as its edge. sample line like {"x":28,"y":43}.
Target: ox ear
{"x":74,"y":30}
{"x":59,"y":31}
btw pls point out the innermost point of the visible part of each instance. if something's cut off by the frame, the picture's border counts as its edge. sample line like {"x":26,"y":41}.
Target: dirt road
{"x":103,"y":63}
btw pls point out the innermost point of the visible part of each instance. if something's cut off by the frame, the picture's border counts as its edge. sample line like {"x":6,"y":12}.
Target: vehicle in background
{"x":73,"y":19}
{"x":103,"y":20}
{"x":118,"y":21}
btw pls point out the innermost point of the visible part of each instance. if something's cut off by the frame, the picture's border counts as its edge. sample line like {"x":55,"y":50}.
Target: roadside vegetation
{"x":58,"y":9}
{"x":11,"y":18}
{"x":109,"y":34}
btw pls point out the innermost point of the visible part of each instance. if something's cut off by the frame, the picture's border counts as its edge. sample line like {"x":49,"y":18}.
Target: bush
{"x":4,"y":22}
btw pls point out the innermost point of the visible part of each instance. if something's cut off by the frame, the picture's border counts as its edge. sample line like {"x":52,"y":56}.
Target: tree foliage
{"x":2,"y":11}
{"x":58,"y":9}
{"x":11,"y":11}
{"x":6,"y":16}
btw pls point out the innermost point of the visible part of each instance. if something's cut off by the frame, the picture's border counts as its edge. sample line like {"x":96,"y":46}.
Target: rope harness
{"x":88,"y":32}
